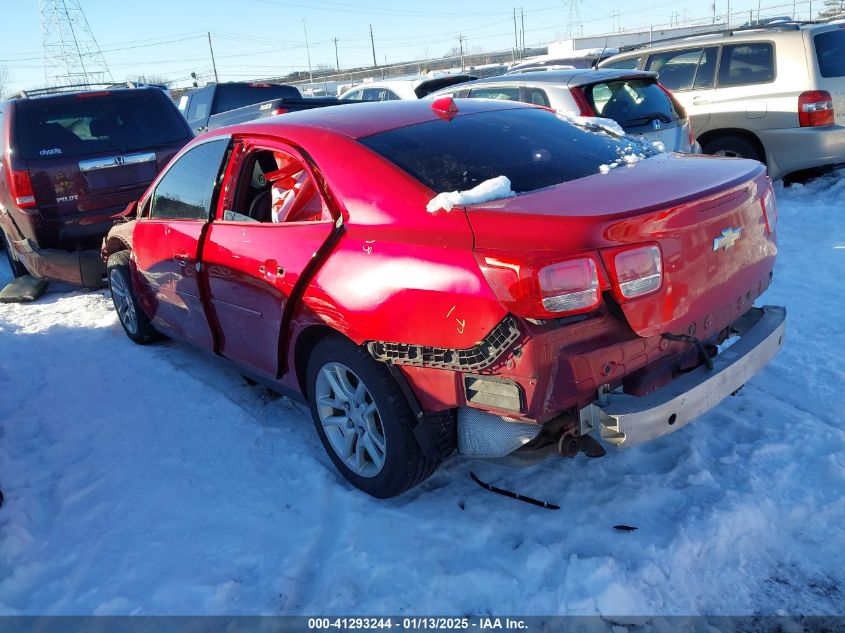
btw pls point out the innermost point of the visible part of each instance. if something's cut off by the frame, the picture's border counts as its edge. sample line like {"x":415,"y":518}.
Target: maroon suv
{"x":71,"y":163}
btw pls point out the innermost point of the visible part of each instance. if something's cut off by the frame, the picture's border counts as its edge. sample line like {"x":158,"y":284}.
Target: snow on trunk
{"x":493,"y":189}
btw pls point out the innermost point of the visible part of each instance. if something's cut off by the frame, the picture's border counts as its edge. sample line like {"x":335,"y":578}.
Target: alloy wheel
{"x":350,"y":419}
{"x":123,"y":301}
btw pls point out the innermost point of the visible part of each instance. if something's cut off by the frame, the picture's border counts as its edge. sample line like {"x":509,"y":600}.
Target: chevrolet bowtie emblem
{"x":727,"y":239}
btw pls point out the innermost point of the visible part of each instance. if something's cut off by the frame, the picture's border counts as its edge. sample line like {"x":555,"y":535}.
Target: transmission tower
{"x":71,"y":53}
{"x":574,"y":28}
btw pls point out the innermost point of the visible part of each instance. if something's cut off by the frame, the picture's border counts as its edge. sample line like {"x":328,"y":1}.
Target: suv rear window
{"x":830,"y":51}
{"x":75,"y":125}
{"x":230,"y":97}
{"x":631,"y":102}
{"x":534,"y":148}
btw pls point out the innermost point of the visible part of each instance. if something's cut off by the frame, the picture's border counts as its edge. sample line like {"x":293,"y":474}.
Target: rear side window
{"x":79,"y":125}
{"x":631,"y":102}
{"x":496,"y":92}
{"x":379,"y":94}
{"x":232,"y":96}
{"x":744,"y":64}
{"x":537,"y":97}
{"x":185,"y":191}
{"x":534,"y":148}
{"x":679,"y":69}
{"x":830,"y":51}
{"x":629,"y":63}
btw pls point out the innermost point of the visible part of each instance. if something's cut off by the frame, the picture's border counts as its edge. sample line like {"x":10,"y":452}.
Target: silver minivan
{"x":775,"y":93}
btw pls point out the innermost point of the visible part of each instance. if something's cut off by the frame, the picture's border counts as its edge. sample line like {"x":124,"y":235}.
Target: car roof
{"x":358,"y":120}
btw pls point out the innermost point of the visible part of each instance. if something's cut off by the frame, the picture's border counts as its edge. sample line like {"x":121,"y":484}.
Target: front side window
{"x":186,"y":190}
{"x":745,"y":64}
{"x":200,"y":105}
{"x":830,"y":51}
{"x":677,"y":69}
{"x":534,"y":148}
{"x":275,"y":187}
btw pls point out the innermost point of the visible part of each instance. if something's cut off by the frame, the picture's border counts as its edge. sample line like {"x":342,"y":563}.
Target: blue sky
{"x":260,"y":38}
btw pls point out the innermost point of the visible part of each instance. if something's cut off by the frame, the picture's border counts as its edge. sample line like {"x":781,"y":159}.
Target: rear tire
{"x":733,"y":146}
{"x":363,"y":420}
{"x":133,"y":320}
{"x":18,"y":269}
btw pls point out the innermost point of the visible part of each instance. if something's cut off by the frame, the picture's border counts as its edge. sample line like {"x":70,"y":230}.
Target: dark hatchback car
{"x":71,"y":164}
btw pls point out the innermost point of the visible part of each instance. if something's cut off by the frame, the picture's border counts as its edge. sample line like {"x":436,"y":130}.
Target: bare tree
{"x":833,"y":9}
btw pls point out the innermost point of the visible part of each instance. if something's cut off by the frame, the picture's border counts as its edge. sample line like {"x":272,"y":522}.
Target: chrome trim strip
{"x":107,"y":162}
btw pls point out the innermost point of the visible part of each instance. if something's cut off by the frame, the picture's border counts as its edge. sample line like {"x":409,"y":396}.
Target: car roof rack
{"x":41,"y":92}
{"x":774,"y":25}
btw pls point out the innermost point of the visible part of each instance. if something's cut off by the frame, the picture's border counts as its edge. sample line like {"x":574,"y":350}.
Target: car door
{"x":252,"y":262}
{"x":690,"y":73}
{"x":746,"y":92}
{"x":167,"y":241}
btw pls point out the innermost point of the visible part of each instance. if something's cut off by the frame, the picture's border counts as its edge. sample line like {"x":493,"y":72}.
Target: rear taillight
{"x":544,"y":290}
{"x":815,"y":108}
{"x":691,"y":134}
{"x":22,"y":191}
{"x":584,"y":107}
{"x":93,"y":95}
{"x":276,"y":111}
{"x":571,"y":286}
{"x":770,"y":209}
{"x":635,"y":271}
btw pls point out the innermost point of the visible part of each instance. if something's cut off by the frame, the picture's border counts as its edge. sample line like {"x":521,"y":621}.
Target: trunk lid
{"x":705,"y":214}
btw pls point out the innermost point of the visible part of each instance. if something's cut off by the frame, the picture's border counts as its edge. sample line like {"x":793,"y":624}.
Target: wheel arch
{"x":747,"y":135}
{"x":304,"y":344}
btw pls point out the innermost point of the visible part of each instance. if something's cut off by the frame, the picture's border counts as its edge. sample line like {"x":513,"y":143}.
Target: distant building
{"x":564,"y":48}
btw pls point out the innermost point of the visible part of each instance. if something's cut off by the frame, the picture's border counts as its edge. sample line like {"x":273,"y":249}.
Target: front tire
{"x":135,"y":323}
{"x":18,"y":269}
{"x":363,"y":420}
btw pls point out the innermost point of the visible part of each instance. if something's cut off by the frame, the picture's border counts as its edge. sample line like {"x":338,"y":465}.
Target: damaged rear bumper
{"x":82,"y":268}
{"x":626,"y":420}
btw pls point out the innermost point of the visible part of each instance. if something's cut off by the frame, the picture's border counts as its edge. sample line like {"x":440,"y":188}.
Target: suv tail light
{"x":22,"y":191}
{"x":815,"y":108}
{"x":542,"y":289}
{"x":770,"y":209}
{"x":636,"y":271}
{"x":584,"y":108}
{"x":276,"y":111}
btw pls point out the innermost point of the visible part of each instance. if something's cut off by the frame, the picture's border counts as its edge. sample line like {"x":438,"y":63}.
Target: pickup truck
{"x":461,"y":274}
{"x":218,"y":105}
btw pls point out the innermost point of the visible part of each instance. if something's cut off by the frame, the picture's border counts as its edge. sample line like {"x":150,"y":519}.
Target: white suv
{"x":775,"y":93}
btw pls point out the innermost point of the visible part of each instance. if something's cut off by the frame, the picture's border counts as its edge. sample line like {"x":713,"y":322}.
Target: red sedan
{"x":568,"y":284}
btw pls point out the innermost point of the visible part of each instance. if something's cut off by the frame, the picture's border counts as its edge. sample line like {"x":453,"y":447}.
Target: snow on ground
{"x":154,"y":480}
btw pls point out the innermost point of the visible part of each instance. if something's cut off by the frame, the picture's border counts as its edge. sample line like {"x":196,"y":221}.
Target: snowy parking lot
{"x":154,"y":480}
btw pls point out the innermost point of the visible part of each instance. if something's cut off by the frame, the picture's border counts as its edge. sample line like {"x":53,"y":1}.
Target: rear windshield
{"x":830,"y":50}
{"x":534,"y":148}
{"x":230,"y":97}
{"x":77,"y":125}
{"x":632,"y":103}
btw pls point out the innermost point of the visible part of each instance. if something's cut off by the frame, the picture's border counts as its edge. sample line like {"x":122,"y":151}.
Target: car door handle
{"x":700,"y":100}
{"x":181,"y":258}
{"x":274,"y":270}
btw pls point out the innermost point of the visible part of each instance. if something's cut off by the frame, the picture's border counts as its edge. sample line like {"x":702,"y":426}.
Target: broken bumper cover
{"x":81,"y":268}
{"x":626,"y":420}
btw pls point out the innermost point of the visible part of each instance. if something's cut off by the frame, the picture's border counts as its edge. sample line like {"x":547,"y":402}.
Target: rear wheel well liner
{"x":305,"y":342}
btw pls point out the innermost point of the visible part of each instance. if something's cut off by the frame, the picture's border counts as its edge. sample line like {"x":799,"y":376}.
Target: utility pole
{"x":713,"y":6}
{"x":373,"y":44}
{"x":729,"y":14}
{"x":515,"y":37}
{"x":336,"y":60}
{"x":461,"y":44}
{"x":793,"y":9}
{"x":522,"y":18}
{"x":213,"y":63}
{"x":307,"y":52}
